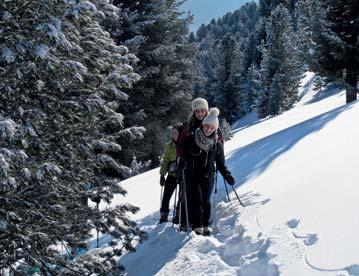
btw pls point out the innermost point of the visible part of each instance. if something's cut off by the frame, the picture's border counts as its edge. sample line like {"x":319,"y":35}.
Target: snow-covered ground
{"x":297,"y":176}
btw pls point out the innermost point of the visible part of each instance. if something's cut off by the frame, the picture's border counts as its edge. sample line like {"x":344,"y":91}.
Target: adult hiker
{"x":199,"y":112}
{"x":202,"y":154}
{"x":169,"y":167}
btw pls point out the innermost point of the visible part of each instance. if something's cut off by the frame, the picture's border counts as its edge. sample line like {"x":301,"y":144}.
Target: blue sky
{"x":204,"y":10}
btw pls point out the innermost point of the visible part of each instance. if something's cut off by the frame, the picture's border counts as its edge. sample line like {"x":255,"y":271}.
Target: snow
{"x":8,"y":55}
{"x":47,"y":168}
{"x":6,"y":16}
{"x":87,"y":6}
{"x":52,"y":29}
{"x":295,"y":175}
{"x":41,"y":50}
{"x":7,"y":128}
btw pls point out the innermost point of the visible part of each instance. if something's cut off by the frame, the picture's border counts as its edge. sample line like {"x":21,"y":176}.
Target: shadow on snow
{"x":252,"y":160}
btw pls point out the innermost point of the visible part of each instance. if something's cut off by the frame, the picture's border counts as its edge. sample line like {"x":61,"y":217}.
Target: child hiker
{"x":169,"y":167}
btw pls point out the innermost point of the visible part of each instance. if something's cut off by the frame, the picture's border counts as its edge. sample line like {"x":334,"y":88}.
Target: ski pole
{"x":174,"y":206}
{"x":215,"y":184}
{"x":225,"y":185}
{"x":215,"y":203}
{"x":97,"y":239}
{"x":240,"y":202}
{"x":185,"y":197}
{"x":180,"y":208}
{"x":161,"y":196}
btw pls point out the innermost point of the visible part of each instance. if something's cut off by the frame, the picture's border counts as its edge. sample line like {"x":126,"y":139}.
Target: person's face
{"x":200,"y":113}
{"x":174,"y":134}
{"x":208,"y":129}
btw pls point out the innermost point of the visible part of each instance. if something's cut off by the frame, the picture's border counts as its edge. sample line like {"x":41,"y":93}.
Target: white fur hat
{"x":199,"y":103}
{"x":212,"y":117}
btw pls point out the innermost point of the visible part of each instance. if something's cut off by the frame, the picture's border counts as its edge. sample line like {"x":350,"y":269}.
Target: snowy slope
{"x":297,"y":176}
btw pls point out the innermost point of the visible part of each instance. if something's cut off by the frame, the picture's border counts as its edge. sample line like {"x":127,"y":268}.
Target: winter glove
{"x":162,"y":180}
{"x":96,"y":198}
{"x":229,"y":178}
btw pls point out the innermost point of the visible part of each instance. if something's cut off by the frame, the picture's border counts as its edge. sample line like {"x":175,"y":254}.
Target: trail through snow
{"x":295,"y":176}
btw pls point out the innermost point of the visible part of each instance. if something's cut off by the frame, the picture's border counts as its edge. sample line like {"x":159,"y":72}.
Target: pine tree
{"x":206,"y":63}
{"x":241,"y":24}
{"x":201,"y":32}
{"x":280,"y":68}
{"x":206,"y":82}
{"x":226,"y":130}
{"x":191,"y":38}
{"x":251,"y":88}
{"x":312,"y":31}
{"x":229,"y":94}
{"x":337,"y":47}
{"x":165,"y":65}
{"x":318,"y":83}
{"x":61,"y":77}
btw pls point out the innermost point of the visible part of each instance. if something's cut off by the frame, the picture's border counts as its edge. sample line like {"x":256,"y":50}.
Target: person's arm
{"x":182,"y":136}
{"x":185,"y":154}
{"x":221,"y":166}
{"x":165,"y":160}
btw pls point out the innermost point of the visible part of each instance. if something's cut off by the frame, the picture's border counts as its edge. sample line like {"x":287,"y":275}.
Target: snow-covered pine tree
{"x":201,"y":32}
{"x":318,"y":83}
{"x":61,"y":76}
{"x":166,"y":67}
{"x":206,"y":82}
{"x":247,"y":73}
{"x":225,"y":128}
{"x":230,"y":99}
{"x":240,"y":24}
{"x":337,"y":45}
{"x":312,"y":31}
{"x":280,"y":68}
{"x":251,"y":88}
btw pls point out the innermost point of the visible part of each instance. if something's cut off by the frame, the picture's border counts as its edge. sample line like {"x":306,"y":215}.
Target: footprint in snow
{"x":293,"y":223}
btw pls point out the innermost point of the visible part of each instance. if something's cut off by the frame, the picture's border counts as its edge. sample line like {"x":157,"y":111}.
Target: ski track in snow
{"x":352,"y":270}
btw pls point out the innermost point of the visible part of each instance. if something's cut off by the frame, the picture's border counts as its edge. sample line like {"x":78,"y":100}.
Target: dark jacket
{"x":188,"y":128}
{"x":202,"y":163}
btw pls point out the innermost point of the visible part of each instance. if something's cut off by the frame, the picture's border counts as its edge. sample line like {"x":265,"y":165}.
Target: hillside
{"x":296,"y":176}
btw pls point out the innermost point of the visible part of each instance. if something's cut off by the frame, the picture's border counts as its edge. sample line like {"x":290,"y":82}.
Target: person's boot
{"x":206,"y":231}
{"x":175,"y":219}
{"x":163,"y":218}
{"x":198,"y":230}
{"x":184,"y":228}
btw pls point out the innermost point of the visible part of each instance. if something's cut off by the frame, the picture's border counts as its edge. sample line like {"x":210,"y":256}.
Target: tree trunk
{"x":351,"y":85}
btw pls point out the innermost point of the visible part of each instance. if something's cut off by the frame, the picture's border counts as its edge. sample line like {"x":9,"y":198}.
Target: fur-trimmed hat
{"x":199,"y":103}
{"x":212,"y":117}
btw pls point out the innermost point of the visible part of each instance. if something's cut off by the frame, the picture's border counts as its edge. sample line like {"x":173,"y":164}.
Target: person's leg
{"x":170,"y":186}
{"x":206,"y":188}
{"x":195,"y":203}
